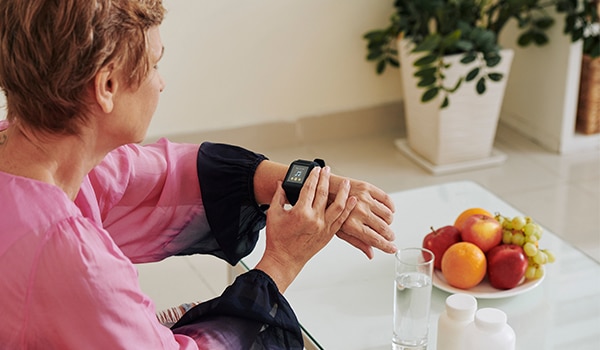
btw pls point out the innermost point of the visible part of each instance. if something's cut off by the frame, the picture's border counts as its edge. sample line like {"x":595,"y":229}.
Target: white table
{"x":344,"y":301}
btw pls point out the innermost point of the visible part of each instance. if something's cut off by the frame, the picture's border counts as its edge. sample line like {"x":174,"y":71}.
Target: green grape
{"x":530,"y":272}
{"x":531,"y":238}
{"x":538,"y":232}
{"x":529,"y":229}
{"x":549,"y":255}
{"x":528,"y":219}
{"x":530,"y":249}
{"x":507,"y":236}
{"x":539,"y":272}
{"x":518,"y":222}
{"x":540,"y":258}
{"x":501,"y":219}
{"x":518,"y":238}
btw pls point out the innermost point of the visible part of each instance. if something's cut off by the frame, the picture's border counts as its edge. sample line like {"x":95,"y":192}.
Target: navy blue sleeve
{"x":250,"y":314}
{"x":226,"y":175}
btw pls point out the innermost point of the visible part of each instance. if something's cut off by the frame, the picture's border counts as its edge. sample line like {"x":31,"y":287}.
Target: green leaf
{"x":495,"y":76}
{"x":446,"y":102}
{"x":468,"y":58}
{"x":591,"y":46}
{"x":525,"y":38}
{"x":430,"y":94}
{"x":594,"y":51}
{"x":375,"y":35}
{"x":451,"y":39}
{"x":484,"y":38}
{"x":472,"y":74}
{"x":427,"y":71}
{"x":393,"y":62}
{"x":425,"y":60}
{"x":374,"y":45}
{"x":492,"y":61}
{"x":562,"y":6}
{"x":577,"y":34}
{"x":374,"y":55}
{"x":380,"y":67}
{"x":458,"y":84}
{"x":480,"y":86}
{"x":431,"y":42}
{"x":464,"y":45}
{"x":426,"y":81}
{"x":544,"y":22}
{"x":540,"y":38}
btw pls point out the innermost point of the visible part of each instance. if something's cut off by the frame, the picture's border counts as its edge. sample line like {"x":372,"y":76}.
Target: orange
{"x":460,"y":220}
{"x":463,"y":265}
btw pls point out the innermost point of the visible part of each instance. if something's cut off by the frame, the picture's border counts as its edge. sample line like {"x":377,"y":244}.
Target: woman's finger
{"x":357,"y":243}
{"x":322,"y":192}
{"x":369,"y":236}
{"x":336,"y":208}
{"x":307,"y":193}
{"x":347,"y":208}
{"x":385,"y":207}
{"x":279,"y":199}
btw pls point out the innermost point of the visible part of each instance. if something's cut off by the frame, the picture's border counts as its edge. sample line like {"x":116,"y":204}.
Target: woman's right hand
{"x":295,"y":235}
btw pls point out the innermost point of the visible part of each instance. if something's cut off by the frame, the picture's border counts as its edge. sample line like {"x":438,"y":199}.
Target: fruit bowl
{"x":484,"y":290}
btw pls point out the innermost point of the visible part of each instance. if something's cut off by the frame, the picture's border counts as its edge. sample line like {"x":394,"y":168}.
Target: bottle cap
{"x":490,"y":319}
{"x":461,"y":307}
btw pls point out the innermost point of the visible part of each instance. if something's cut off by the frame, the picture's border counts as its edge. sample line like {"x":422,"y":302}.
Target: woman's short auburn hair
{"x":51,"y":51}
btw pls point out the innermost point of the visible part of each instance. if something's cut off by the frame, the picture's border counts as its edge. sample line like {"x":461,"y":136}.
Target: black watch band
{"x":296,"y":176}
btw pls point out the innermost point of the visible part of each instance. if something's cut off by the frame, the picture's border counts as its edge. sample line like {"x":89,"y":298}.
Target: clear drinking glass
{"x":412,"y":298}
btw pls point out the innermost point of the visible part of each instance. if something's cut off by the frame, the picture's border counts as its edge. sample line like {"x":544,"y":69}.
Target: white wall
{"x":232,"y":63}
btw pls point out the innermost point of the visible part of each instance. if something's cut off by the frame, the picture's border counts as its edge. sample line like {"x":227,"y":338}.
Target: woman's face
{"x":134,"y":106}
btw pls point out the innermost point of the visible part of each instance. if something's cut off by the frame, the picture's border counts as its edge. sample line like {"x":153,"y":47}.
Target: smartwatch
{"x":296,"y":176}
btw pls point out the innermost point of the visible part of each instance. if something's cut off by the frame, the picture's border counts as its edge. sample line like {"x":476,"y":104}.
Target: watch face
{"x":298,"y":173}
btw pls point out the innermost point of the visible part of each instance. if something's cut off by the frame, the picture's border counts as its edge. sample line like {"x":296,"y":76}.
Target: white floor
{"x":561,"y":192}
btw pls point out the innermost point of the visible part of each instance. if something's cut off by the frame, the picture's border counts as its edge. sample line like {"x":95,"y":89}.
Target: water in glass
{"x":412,"y":300}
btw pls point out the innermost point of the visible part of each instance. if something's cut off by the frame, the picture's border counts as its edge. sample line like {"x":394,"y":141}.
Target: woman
{"x":81,"y":202}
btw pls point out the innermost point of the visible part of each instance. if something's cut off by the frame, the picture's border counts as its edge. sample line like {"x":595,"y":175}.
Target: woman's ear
{"x":105,"y":88}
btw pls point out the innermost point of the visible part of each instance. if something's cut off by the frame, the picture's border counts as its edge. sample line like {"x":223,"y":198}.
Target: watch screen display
{"x":298,"y":173}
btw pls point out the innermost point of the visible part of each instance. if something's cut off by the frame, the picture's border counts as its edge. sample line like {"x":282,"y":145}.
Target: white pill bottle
{"x":454,"y":320}
{"x":490,"y":331}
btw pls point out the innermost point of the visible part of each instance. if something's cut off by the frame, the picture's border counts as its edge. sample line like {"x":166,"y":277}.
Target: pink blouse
{"x":95,"y":300}
{"x":67,"y":279}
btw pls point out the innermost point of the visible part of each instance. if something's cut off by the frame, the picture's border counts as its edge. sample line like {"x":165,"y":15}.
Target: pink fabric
{"x":66,"y":275}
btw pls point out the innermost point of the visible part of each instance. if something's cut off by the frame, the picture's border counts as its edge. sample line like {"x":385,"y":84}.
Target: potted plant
{"x":442,"y":46}
{"x":582,"y":23}
{"x":439,"y":28}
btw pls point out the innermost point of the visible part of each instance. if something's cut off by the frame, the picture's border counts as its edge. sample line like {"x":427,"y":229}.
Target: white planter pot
{"x":465,"y":130}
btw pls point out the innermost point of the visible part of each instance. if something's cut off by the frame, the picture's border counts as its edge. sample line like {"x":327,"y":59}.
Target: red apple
{"x":506,"y":265}
{"x":439,"y":240}
{"x":482,"y":230}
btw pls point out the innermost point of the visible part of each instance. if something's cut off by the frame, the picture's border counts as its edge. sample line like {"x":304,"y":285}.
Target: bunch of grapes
{"x":524,"y":232}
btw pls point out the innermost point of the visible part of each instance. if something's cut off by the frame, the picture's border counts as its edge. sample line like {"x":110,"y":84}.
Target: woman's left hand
{"x":368,"y":224}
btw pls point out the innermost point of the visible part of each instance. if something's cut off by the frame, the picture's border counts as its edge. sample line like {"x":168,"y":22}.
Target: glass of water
{"x":412,"y":298}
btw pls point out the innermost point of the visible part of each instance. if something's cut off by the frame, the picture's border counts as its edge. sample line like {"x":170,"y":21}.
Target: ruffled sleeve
{"x":226,"y":176}
{"x":169,"y":199}
{"x":250,"y":314}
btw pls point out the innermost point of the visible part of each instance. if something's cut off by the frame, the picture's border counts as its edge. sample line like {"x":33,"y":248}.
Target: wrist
{"x":281,"y":271}
{"x":265,"y":180}
{"x":296,"y":175}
